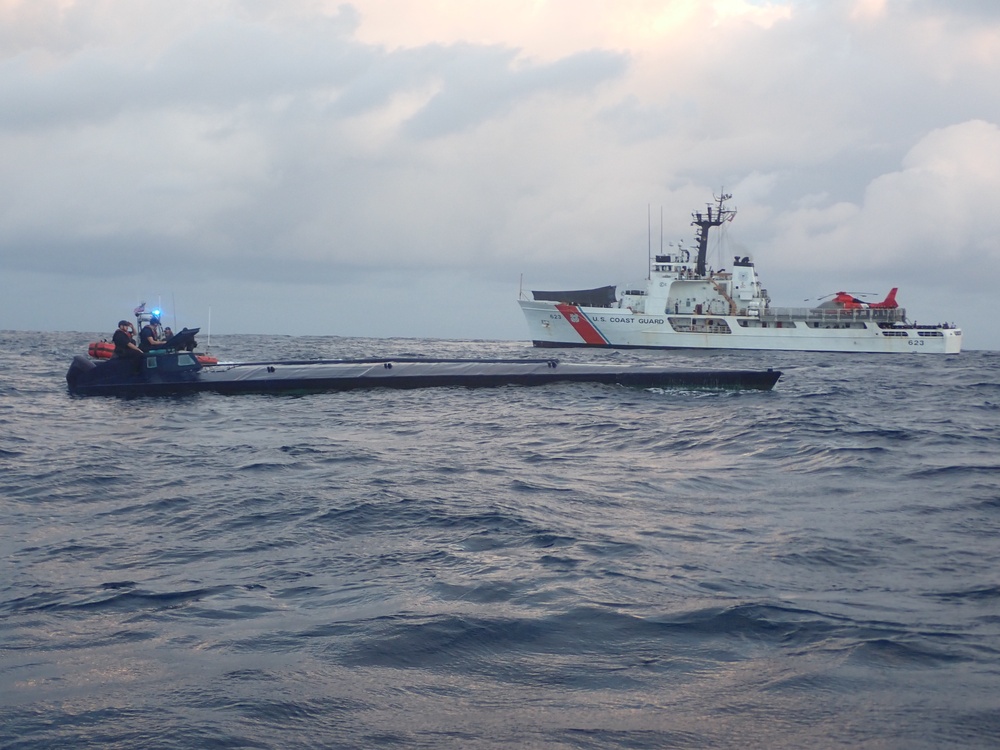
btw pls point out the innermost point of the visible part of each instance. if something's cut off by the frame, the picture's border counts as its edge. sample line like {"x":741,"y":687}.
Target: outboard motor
{"x":78,"y":366}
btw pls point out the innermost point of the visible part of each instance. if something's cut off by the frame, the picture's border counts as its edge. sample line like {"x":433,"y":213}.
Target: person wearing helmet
{"x":148,"y":335}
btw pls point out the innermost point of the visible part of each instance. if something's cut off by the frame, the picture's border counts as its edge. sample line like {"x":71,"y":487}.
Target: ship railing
{"x":833,"y":315}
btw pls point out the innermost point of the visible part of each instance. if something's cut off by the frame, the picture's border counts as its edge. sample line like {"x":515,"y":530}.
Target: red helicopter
{"x":850,"y":302}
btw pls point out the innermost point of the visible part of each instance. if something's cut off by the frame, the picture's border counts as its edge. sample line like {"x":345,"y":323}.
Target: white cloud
{"x":937,"y":209}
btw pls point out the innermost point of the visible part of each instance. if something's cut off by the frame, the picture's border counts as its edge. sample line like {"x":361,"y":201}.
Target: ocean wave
{"x":563,"y":567}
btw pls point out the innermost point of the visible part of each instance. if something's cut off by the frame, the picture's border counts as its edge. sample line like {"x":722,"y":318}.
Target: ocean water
{"x":571,"y":566}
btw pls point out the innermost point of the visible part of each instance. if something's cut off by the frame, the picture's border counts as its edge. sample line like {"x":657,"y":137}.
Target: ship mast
{"x":713,"y":217}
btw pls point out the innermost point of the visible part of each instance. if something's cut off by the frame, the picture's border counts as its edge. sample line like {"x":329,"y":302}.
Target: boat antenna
{"x":661,"y":230}
{"x":209,"y":345}
{"x":173,"y":306}
{"x":649,"y":242}
{"x":714,"y":216}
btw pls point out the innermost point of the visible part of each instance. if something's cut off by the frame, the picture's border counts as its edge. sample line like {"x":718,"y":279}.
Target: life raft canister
{"x":101,"y":349}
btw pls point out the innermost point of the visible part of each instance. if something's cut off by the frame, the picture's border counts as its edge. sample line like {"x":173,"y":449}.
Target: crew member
{"x":147,"y":336}
{"x":124,"y":343}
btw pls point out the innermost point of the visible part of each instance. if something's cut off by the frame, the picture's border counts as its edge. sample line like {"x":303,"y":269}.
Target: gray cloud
{"x":482,"y":83}
{"x":217,"y":67}
{"x":272,"y":150}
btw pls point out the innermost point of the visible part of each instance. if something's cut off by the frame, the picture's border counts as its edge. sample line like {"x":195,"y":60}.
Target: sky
{"x":406,"y":168}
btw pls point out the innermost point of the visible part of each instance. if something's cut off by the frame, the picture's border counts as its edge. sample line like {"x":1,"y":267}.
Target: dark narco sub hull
{"x":172,"y":374}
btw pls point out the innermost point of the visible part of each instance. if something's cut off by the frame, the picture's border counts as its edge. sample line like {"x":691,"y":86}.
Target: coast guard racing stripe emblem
{"x":582,"y":325}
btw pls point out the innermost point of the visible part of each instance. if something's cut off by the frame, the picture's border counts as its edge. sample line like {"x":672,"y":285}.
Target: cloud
{"x":381,"y":143}
{"x":939,"y":208}
{"x":214,"y":151}
{"x":974,"y":10}
{"x":484,"y":84}
{"x":218,"y":66}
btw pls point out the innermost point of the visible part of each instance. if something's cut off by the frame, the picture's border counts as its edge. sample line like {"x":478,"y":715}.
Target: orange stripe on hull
{"x":582,"y":325}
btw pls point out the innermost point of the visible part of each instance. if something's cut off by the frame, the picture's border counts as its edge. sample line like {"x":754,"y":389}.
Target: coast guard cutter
{"x":684,"y":305}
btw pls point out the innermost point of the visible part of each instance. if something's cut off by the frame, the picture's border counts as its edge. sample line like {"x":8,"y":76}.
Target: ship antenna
{"x":649,"y":243}
{"x":714,"y":216}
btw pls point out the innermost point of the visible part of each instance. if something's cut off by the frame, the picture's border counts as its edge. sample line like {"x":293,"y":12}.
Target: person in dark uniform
{"x":125,"y":347}
{"x":123,"y":341}
{"x":147,"y":336}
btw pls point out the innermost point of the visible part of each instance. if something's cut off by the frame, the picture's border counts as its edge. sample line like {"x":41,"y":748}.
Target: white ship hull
{"x":552,"y":324}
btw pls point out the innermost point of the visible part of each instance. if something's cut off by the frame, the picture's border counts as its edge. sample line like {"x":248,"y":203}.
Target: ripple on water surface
{"x":572,"y":566}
